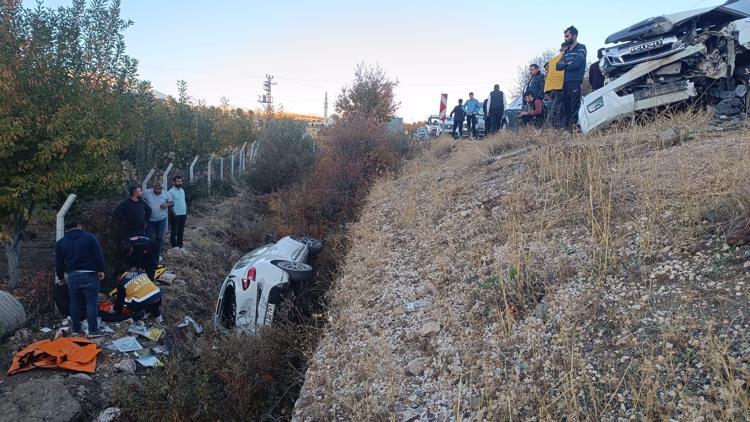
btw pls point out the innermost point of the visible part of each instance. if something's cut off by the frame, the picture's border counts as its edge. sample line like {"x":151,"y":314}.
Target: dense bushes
{"x":285,"y":155}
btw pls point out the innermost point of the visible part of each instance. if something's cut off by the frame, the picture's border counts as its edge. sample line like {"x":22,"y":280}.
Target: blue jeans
{"x":155,"y":231}
{"x":88,"y":285}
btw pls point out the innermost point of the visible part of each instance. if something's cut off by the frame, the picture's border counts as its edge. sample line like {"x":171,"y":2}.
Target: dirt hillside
{"x":545,"y":275}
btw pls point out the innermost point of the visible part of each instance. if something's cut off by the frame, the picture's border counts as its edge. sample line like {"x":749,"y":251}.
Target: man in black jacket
{"x":140,"y":253}
{"x":573,"y":62}
{"x":495,"y":109}
{"x":133,"y":213}
{"x":536,"y":83}
{"x":79,"y":256}
{"x":458,"y":115}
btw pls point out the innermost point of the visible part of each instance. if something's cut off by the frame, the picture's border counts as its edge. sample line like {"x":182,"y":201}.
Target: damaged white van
{"x":668,"y":59}
{"x":261,"y":280}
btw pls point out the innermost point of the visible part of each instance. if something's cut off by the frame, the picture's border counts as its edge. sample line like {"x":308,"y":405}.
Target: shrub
{"x":285,"y":155}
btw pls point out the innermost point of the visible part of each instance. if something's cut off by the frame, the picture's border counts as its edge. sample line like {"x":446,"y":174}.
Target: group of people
{"x":143,"y":219}
{"x":551,"y":99}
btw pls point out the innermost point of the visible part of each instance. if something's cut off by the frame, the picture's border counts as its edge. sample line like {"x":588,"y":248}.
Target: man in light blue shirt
{"x":472,"y":107}
{"x":178,"y":214}
{"x":159,"y":202}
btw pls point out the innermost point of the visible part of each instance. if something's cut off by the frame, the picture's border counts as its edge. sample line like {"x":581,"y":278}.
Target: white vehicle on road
{"x":703,"y":53}
{"x":261,"y":280}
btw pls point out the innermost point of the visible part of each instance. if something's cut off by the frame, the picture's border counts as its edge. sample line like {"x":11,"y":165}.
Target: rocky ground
{"x":547,"y":276}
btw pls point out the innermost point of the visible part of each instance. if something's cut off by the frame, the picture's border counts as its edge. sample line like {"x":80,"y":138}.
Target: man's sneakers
{"x":95,"y":334}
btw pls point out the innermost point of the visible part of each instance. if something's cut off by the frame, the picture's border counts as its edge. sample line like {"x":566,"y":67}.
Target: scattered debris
{"x":127,"y":344}
{"x":150,"y":333}
{"x":187,"y":321}
{"x":167,"y":278}
{"x":416,"y":306}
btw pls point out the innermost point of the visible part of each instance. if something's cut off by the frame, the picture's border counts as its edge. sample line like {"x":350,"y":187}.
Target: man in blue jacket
{"x":573,"y":62}
{"x":79,"y":255}
{"x":472,"y":107}
{"x":536,"y":82}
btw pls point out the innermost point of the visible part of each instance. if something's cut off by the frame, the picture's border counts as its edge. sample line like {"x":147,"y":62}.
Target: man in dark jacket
{"x":573,"y":63}
{"x":536,"y":83}
{"x":458,"y":115}
{"x":596,"y":78}
{"x":133,"y":213}
{"x":495,"y":109}
{"x":79,"y":256}
{"x":140,"y":253}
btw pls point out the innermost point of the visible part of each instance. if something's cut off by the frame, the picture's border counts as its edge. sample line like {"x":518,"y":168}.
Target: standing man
{"x":495,"y":109}
{"x":596,"y":78}
{"x":178,"y":212}
{"x":553,"y":85}
{"x":458,"y":115}
{"x":573,"y":63}
{"x":133,"y":214}
{"x":471,"y":108}
{"x":159,"y":202}
{"x":79,"y":256}
{"x":536,"y":83}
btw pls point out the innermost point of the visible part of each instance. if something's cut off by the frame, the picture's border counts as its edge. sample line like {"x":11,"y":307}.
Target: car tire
{"x":298,"y":271}
{"x":315,"y":246}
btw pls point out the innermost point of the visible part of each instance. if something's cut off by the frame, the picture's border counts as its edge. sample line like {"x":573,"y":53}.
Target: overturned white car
{"x":262,"y":279}
{"x":668,"y":59}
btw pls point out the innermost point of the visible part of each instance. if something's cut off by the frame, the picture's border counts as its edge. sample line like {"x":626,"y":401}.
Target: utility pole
{"x":267,"y":99}
{"x":325,"y":109}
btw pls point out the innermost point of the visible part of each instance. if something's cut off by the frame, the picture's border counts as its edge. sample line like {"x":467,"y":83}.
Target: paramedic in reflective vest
{"x":136,"y":290}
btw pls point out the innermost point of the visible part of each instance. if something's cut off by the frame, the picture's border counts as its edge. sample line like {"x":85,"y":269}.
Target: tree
{"x":285,"y":155}
{"x":371,"y":94}
{"x":62,"y":75}
{"x":523,"y":76}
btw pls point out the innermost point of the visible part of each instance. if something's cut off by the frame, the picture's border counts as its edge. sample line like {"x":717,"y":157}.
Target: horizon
{"x":217,"y":53}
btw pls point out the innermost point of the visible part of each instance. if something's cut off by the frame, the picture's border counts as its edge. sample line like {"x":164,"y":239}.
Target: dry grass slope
{"x":554,"y":276}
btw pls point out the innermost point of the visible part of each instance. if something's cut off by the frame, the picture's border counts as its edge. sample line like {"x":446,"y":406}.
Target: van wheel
{"x":298,"y":271}
{"x":315,"y":246}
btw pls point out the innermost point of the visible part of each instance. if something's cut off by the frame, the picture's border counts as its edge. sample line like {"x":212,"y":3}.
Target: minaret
{"x":325,"y":108}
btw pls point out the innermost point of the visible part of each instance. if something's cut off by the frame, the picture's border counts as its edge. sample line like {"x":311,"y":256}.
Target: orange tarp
{"x":72,"y":353}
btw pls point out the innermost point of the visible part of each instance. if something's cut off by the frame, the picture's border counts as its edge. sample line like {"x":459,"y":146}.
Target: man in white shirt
{"x":159,"y":202}
{"x":178,"y":213}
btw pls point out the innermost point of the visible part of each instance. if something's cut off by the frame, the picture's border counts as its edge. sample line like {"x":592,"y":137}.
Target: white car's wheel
{"x":313,"y":245}
{"x":298,"y":271}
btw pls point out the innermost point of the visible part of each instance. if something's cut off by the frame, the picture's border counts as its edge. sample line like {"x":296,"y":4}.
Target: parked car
{"x":422,"y":133}
{"x":262,"y":279}
{"x":703,"y":53}
{"x":512,"y":115}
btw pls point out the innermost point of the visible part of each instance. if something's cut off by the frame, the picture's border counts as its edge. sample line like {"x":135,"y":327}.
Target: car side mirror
{"x":269,"y":238}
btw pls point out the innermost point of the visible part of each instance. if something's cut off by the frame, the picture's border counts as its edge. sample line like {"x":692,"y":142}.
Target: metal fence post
{"x":148,"y":177}
{"x":165,"y":176}
{"x":231,"y":157}
{"x":195,"y":160}
{"x":210,"y":164}
{"x":60,"y":221}
{"x":221,"y":168}
{"x":60,"y":226}
{"x":253,"y":151}
{"x":242,"y":156}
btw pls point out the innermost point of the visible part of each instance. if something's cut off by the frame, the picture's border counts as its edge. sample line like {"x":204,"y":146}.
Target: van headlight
{"x":596,"y":105}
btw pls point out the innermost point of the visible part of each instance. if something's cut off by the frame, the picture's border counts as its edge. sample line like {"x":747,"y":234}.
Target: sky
{"x":225,"y":48}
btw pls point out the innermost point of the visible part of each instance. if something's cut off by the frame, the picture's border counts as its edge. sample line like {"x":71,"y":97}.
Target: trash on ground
{"x":149,"y":361}
{"x":151,"y":333}
{"x":162,"y":350}
{"x":415,"y":306}
{"x":71,"y":353}
{"x":127,"y":344}
{"x":167,"y":278}
{"x":188,"y":320}
{"x":45,"y":330}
